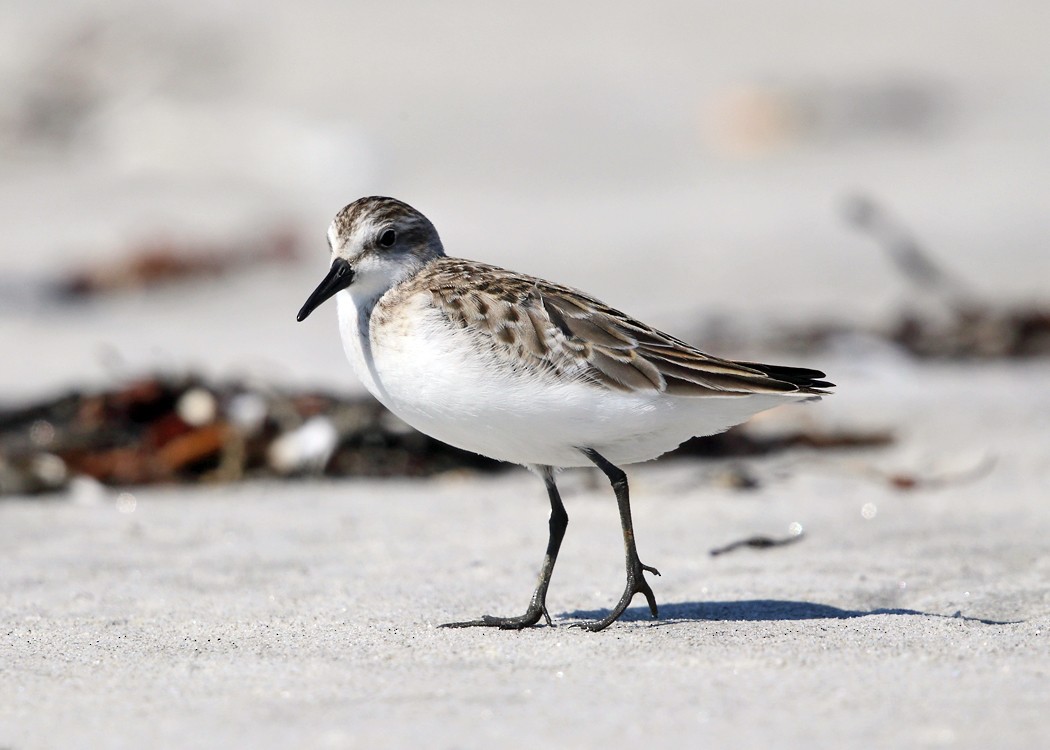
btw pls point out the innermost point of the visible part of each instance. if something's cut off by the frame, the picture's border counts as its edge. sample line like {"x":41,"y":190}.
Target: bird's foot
{"x":636,"y":584}
{"x":527,"y":620}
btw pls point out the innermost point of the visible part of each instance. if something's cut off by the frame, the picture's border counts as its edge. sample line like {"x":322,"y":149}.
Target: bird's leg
{"x":636,"y":582}
{"x":559,"y":521}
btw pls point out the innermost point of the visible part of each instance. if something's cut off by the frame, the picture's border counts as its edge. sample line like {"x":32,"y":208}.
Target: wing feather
{"x":552,"y":328}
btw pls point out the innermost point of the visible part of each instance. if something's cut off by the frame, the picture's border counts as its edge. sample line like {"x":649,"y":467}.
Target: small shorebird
{"x":527,"y":371}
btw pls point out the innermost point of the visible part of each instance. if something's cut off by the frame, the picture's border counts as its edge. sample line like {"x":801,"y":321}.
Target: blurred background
{"x":168,"y":169}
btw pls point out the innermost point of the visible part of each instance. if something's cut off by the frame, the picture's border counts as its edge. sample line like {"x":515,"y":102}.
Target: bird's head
{"x":376,"y":243}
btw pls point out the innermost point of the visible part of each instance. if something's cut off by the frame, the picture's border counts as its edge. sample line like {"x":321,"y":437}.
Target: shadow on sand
{"x":755,"y":610}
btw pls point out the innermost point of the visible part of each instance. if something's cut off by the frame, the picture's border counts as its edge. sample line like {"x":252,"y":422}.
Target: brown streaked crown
{"x":412,"y":226}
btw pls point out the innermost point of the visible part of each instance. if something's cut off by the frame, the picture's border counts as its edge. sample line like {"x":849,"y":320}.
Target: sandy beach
{"x":265,"y":615}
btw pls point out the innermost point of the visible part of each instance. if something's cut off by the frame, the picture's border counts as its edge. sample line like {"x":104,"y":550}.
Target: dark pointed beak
{"x":339,"y":277}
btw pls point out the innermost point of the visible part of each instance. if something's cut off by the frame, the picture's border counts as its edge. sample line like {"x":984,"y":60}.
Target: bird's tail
{"x":806,"y":380}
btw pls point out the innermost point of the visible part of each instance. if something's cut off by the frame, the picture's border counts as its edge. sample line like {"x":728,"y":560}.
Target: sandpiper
{"x":527,"y":371}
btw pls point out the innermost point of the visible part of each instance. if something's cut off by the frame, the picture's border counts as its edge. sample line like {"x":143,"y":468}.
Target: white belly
{"x":434,"y":378}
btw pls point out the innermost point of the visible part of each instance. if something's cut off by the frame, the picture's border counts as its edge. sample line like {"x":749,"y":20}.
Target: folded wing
{"x":559,"y":329}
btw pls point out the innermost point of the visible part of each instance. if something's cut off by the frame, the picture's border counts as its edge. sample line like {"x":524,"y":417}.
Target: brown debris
{"x":757,"y":542}
{"x":187,"y":430}
{"x":135,"y":435}
{"x":909,"y":481}
{"x":737,"y":477}
{"x":742,"y":442}
{"x":159,"y":263}
{"x":191,"y":448}
{"x":944,"y":319}
{"x":976,"y":332}
{"x":953,"y":322}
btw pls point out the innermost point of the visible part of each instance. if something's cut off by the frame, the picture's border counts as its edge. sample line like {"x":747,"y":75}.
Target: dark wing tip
{"x":804,"y":378}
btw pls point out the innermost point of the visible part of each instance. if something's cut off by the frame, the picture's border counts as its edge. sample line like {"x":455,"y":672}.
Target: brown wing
{"x":550,"y":327}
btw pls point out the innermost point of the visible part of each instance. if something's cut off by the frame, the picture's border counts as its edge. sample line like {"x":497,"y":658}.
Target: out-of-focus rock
{"x":305,"y":449}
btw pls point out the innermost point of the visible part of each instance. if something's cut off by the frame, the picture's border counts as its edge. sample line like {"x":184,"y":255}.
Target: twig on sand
{"x":907,"y":481}
{"x":758,"y":541}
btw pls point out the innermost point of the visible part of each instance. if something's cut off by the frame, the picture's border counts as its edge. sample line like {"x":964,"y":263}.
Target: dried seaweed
{"x":944,"y":319}
{"x":164,"y":430}
{"x":947,"y":319}
{"x":154,"y":264}
{"x":167,"y":430}
{"x":738,"y":443}
{"x":958,"y":323}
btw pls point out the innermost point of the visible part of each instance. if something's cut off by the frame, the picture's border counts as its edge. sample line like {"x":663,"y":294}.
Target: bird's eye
{"x":387,"y":238}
